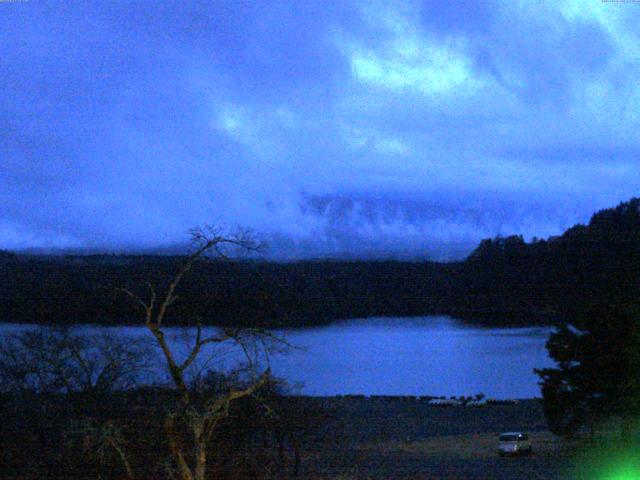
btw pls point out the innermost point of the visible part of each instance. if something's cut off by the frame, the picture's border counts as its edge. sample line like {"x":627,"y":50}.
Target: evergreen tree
{"x":597,"y":374}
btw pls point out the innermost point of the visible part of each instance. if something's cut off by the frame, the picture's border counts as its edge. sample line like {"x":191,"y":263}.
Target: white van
{"x":514,"y":443}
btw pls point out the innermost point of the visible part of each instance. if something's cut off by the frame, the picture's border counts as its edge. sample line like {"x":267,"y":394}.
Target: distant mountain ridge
{"x":505,"y":280}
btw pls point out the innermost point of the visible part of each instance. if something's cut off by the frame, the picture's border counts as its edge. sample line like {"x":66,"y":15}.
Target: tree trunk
{"x":183,"y":467}
{"x":280,"y":440}
{"x":201,"y":461}
{"x":200,"y":441}
{"x":123,"y":458}
{"x":296,"y":454}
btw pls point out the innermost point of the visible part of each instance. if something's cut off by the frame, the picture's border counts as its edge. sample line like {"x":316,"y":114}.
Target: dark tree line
{"x":82,"y":290}
{"x":563,"y":278}
{"x":505,"y":280}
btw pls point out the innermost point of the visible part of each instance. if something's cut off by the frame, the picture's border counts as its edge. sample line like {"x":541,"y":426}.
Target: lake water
{"x":398,"y":356}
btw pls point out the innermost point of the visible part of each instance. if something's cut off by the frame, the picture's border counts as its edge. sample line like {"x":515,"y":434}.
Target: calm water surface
{"x":416,"y":356}
{"x":398,"y":356}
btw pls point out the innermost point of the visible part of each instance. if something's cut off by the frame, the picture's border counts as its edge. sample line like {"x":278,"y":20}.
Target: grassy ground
{"x":410,"y":439}
{"x":339,"y":439}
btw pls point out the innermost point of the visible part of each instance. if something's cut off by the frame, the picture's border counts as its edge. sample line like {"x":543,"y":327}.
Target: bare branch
{"x":206,"y":240}
{"x":227,"y":334}
{"x":220,"y":407}
{"x":183,"y":466}
{"x":135,"y":298}
{"x":152,"y":302}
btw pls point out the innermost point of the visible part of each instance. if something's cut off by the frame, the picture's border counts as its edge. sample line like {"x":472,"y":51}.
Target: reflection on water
{"x":394,"y":356}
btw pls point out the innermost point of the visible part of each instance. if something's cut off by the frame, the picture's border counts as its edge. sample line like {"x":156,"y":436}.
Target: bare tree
{"x":190,"y":427}
{"x":48,"y":372}
{"x":68,"y":360}
{"x":101,"y":442}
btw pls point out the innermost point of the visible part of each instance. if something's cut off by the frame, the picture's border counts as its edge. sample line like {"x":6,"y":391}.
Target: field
{"x":401,"y":438}
{"x":338,"y":438}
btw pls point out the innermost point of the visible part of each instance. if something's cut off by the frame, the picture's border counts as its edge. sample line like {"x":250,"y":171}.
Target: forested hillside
{"x":504,"y":281}
{"x":589,"y":267}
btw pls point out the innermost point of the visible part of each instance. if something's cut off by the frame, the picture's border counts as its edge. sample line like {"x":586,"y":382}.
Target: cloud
{"x":428,"y":69}
{"x":364,"y":129}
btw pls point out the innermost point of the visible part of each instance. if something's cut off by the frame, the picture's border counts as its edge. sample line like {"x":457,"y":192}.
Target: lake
{"x":398,"y":356}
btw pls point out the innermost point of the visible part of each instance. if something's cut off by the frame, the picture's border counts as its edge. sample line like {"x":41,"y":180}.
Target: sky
{"x":364,"y":129}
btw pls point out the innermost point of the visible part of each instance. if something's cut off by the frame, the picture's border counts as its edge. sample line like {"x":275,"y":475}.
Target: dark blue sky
{"x":330,"y":128}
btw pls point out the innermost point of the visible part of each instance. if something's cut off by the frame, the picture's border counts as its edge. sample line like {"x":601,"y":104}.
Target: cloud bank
{"x":365,"y":129}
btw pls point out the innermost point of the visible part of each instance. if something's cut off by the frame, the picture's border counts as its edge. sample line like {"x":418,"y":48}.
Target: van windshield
{"x":512,"y":438}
